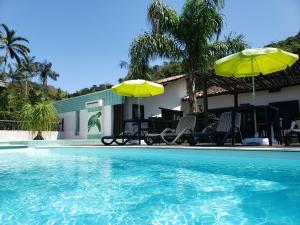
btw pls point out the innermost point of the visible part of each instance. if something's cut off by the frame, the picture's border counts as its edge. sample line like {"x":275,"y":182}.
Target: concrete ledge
{"x":22,"y":135}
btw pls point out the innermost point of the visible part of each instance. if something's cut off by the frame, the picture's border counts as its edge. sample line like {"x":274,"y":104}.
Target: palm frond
{"x":162,"y":17}
{"x":201,"y":20}
{"x":149,"y":46}
{"x":5,"y":27}
{"x":12,"y":46}
{"x":22,"y":48}
{"x":217,"y":4}
{"x":44,"y":70}
{"x":231,"y":44}
{"x":20,"y":39}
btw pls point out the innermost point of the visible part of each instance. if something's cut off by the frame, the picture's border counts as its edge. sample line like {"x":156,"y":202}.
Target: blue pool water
{"x":149,"y":186}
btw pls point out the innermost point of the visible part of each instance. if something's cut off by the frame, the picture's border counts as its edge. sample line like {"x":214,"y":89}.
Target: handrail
{"x":15,"y":125}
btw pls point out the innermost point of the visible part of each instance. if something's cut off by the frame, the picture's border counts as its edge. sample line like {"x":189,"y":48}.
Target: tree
{"x":40,"y":117}
{"x":12,"y":45}
{"x":189,"y":37}
{"x":44,"y":71}
{"x":231,"y":44}
{"x":35,"y":96}
{"x":25,"y":71}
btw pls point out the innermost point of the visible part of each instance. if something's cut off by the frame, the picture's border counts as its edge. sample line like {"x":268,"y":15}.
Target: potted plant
{"x":40,"y":117}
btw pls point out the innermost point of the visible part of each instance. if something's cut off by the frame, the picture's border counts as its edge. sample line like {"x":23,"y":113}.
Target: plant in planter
{"x":40,"y":117}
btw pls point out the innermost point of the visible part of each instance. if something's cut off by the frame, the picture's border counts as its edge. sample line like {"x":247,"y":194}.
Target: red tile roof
{"x":211,"y":91}
{"x":170,"y":79}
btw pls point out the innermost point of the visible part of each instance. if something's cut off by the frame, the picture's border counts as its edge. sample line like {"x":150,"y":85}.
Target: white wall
{"x":262,"y":98}
{"x":70,"y":123}
{"x":21,"y":135}
{"x":107,"y":120}
{"x":171,"y":99}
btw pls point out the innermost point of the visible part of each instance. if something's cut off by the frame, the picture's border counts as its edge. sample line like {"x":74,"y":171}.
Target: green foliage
{"x":231,"y":44}
{"x":167,"y":70}
{"x":44,"y":71}
{"x":6,"y":115}
{"x":26,"y":116}
{"x":92,"y":89}
{"x":41,"y":117}
{"x":12,"y":45}
{"x":190,"y":37}
{"x":291,"y":44}
{"x":13,"y":98}
{"x":148,"y":47}
{"x":35,"y":96}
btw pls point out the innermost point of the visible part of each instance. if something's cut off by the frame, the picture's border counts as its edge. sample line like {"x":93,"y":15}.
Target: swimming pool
{"x":149,"y":186}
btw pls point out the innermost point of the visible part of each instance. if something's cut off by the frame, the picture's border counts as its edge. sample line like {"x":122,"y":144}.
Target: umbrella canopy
{"x":138,"y":88}
{"x":253,"y":62}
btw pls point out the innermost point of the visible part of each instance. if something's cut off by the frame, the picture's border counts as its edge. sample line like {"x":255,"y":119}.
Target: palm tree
{"x":44,"y":71}
{"x":11,"y":45}
{"x":25,"y":70}
{"x":189,"y":37}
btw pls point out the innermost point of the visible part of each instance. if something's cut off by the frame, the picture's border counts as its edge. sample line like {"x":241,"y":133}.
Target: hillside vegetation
{"x":291,"y":44}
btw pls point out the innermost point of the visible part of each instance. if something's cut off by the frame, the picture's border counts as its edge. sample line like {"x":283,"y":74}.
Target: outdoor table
{"x":271,"y":119}
{"x":139,"y":123}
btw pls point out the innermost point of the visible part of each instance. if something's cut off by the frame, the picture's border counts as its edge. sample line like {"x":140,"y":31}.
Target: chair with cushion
{"x":220,"y":132}
{"x":185,"y":126}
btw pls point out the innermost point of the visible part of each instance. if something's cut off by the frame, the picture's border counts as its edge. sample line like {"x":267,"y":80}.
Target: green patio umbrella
{"x":254,"y":62}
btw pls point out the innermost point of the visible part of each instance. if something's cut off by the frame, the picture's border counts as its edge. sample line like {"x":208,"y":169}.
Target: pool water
{"x":149,"y":186}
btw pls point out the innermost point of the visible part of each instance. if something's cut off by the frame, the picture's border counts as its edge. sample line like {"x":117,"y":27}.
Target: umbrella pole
{"x":139,"y":120}
{"x":254,"y":103}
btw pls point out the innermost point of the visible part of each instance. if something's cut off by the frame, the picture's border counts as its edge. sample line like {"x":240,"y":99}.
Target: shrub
{"x":40,"y":117}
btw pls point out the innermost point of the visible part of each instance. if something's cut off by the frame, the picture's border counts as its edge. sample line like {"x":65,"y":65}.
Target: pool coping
{"x":228,"y":148}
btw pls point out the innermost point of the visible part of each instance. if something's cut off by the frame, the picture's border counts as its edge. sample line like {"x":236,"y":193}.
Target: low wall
{"x":21,"y":135}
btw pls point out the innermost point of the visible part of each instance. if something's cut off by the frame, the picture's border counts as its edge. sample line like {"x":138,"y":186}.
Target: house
{"x":82,"y":115}
{"x":281,"y":89}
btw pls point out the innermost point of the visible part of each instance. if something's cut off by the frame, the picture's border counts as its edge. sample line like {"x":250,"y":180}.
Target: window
{"x":135,"y":111}
{"x":77,"y":123}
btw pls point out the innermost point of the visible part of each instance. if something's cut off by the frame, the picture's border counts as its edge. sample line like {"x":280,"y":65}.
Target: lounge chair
{"x":185,"y":126}
{"x":294,"y":131}
{"x":121,"y":139}
{"x":220,"y":133}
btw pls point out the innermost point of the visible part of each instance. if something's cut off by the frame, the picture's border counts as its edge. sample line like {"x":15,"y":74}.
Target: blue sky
{"x":86,"y":40}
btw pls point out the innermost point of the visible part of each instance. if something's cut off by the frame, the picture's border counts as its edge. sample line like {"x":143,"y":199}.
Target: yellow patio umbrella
{"x":139,"y":89}
{"x":254,"y":62}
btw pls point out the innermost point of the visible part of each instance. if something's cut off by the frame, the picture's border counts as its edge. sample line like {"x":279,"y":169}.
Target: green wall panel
{"x":78,"y":103}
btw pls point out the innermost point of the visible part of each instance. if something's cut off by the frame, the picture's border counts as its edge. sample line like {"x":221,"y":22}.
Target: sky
{"x":86,"y":39}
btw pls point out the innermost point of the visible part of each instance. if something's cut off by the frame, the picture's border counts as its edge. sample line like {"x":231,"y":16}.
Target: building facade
{"x":76,"y":112}
{"x":89,"y":116}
